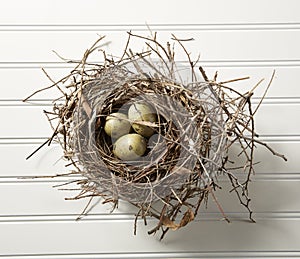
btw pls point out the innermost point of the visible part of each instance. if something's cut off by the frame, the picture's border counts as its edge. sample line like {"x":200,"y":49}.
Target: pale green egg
{"x":117,"y":125}
{"x":144,"y":113}
{"x":130,"y":147}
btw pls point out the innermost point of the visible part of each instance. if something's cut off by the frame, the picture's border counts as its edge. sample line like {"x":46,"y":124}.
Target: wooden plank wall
{"x":236,"y":38}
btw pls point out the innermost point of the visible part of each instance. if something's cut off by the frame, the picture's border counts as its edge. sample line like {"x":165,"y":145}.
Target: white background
{"x":237,"y":38}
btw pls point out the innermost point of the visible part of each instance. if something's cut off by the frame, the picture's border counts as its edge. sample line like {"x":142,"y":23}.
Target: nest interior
{"x":198,"y":120}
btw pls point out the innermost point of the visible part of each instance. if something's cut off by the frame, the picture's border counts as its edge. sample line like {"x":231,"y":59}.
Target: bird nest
{"x":197,"y":121}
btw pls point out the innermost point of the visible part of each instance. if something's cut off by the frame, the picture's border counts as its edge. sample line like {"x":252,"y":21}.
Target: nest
{"x":198,"y":121}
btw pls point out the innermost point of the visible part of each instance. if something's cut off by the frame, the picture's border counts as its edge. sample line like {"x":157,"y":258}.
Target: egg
{"x":117,"y":125}
{"x":142,"y":112}
{"x":130,"y":147}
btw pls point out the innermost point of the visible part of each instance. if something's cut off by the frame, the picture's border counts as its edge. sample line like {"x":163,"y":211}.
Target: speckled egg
{"x":130,"y":147}
{"x":117,"y":125}
{"x":142,"y":112}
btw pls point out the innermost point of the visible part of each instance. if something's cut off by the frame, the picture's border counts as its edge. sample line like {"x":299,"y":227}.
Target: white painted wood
{"x":211,"y":45}
{"x":237,"y":38}
{"x":17,"y":122}
{"x":158,"y":12}
{"x":48,"y":161}
{"x":105,"y":237}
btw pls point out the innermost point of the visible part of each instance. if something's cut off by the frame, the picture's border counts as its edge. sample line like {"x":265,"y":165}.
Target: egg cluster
{"x":130,"y":131}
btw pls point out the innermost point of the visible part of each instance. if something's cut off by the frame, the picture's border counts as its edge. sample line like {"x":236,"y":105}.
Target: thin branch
{"x":265,"y":93}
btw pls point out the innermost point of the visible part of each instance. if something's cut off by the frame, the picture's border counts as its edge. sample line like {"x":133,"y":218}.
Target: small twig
{"x":217,"y":203}
{"x":86,"y":207}
{"x":265,"y":93}
{"x":269,"y":148}
{"x":154,"y":41}
{"x":125,"y":49}
{"x":45,"y":143}
{"x":192,"y":64}
{"x":233,"y":80}
{"x":45,"y":88}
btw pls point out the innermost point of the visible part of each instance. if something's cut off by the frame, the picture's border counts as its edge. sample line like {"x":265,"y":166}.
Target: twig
{"x":265,"y":93}
{"x":217,"y":203}
{"x":35,"y":151}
